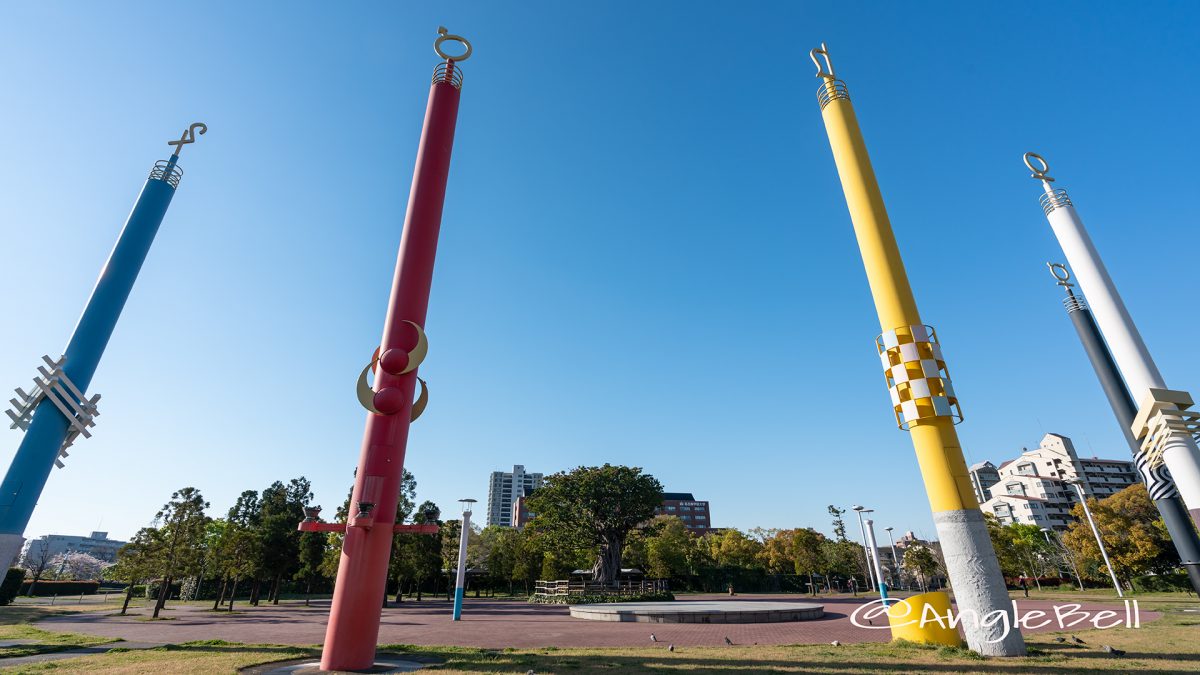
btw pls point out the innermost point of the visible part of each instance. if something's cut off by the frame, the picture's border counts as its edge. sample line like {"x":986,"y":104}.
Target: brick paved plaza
{"x":490,"y":624}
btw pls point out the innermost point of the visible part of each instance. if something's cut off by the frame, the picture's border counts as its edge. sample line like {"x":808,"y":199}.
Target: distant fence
{"x":565,"y":588}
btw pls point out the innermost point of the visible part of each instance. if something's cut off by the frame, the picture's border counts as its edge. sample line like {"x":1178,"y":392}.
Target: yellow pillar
{"x":923,"y":398}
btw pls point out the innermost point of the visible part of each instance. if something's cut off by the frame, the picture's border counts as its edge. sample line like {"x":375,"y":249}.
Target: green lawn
{"x":1169,"y":645}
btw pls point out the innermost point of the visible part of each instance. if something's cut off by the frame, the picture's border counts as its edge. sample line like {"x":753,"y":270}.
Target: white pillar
{"x":1179,"y":450}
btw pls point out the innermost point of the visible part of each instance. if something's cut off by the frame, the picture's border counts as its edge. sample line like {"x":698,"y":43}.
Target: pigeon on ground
{"x":728,"y":641}
{"x":835,"y":643}
{"x":1077,"y":640}
{"x":653,"y":638}
{"x":670,"y":648}
{"x":1113,"y":650}
{"x":1060,"y":640}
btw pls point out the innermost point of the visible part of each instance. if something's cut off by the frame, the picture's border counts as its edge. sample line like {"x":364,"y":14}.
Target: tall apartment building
{"x":503,"y":491}
{"x":1034,"y":488}
{"x":983,"y":476}
{"x":694,"y":514}
{"x":97,"y":545}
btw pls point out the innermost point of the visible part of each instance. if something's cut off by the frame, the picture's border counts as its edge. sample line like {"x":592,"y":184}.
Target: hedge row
{"x":49,"y":588}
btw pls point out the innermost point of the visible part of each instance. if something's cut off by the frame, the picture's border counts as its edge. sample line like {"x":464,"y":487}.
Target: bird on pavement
{"x":670,"y":648}
{"x":653,"y":638}
{"x":728,"y":641}
{"x":1077,"y":640}
{"x":1113,"y":650}
{"x":835,"y":643}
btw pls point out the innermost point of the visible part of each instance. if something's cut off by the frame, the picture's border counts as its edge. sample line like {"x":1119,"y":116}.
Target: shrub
{"x":48,"y":588}
{"x":11,"y":585}
{"x":1162,"y":582}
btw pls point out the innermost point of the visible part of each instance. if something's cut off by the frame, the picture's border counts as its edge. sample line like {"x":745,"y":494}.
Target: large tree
{"x":136,"y":561}
{"x":595,"y":508}
{"x":182,"y":523}
{"x":667,"y":548}
{"x":1133,"y":533}
{"x":921,"y":562}
{"x":808,"y":553}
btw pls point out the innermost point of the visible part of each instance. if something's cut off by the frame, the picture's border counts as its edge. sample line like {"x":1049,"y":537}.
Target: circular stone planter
{"x":710,"y":611}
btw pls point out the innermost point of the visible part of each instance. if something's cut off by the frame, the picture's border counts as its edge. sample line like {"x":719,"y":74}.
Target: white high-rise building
{"x":503,"y":491}
{"x":1034,"y":488}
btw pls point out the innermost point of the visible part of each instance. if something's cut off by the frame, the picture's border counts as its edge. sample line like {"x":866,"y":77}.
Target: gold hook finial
{"x":444,"y":35}
{"x":1042,"y":173}
{"x":1064,"y":278}
{"x":189,"y":136}
{"x":825,"y":71}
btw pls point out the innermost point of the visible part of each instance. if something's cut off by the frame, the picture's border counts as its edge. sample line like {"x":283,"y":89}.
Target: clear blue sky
{"x":645,"y":258}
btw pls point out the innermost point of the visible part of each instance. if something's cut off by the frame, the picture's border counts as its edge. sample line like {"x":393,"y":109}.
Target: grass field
{"x":1169,"y":645}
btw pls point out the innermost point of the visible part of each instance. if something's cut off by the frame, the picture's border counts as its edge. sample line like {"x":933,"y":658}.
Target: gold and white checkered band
{"x":916,"y":375}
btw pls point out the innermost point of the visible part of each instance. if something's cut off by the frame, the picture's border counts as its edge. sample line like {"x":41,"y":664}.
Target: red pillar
{"x":353,"y":629}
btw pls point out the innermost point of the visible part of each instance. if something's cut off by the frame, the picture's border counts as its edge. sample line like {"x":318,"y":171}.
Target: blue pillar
{"x":49,"y":427}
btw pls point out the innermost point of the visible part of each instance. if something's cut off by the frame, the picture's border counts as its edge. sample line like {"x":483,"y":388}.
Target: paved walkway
{"x":497,"y":624}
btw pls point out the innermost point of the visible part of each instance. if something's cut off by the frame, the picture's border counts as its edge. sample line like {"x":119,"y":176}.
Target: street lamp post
{"x":1096,"y":531}
{"x":878,"y":572}
{"x":860,"y":510}
{"x":461,"y":574}
{"x":895,"y":560}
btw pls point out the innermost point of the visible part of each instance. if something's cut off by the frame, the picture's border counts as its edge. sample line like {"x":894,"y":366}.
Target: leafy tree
{"x":136,"y":561}
{"x":667,"y":549}
{"x":595,"y":508}
{"x":807,"y":552}
{"x":182,"y":526}
{"x":778,"y":552}
{"x":527,"y":559}
{"x":313,"y":546}
{"x":843,"y":558}
{"x":839,"y":524}
{"x":282,"y":509}
{"x":401,"y":564}
{"x":920,"y":561}
{"x":239,"y":546}
{"x":1134,"y":536}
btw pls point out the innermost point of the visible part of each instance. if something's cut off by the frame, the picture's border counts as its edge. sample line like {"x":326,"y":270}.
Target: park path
{"x":496,"y":624}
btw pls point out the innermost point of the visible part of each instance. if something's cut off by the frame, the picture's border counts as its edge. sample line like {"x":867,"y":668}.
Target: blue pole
{"x":49,"y":427}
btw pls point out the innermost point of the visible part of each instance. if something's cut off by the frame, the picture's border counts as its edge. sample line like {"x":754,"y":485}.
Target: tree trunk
{"x":607,"y":568}
{"x":162,"y":596}
{"x":419,"y":590}
{"x":233,"y":593}
{"x":399,"y":589}
{"x":307,"y":591}
{"x":254,"y":591}
{"x":128,"y":597}
{"x":221,"y":593}
{"x":275,"y":591}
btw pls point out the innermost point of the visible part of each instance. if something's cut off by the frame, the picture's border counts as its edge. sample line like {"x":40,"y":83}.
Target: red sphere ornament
{"x":394,"y":361}
{"x":389,"y":401}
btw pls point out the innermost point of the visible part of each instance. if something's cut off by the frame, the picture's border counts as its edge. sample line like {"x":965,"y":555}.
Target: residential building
{"x":983,"y":477}
{"x":503,"y":491}
{"x":520,"y":513}
{"x":97,"y":545}
{"x":694,"y":514}
{"x":1035,"y":488}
